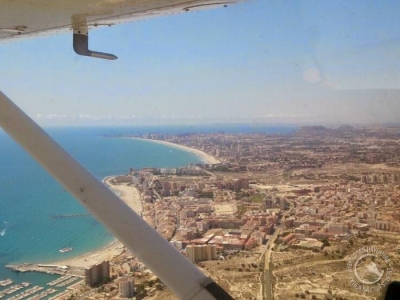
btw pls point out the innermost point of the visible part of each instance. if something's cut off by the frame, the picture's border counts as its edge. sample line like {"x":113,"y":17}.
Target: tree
{"x":325,"y":242}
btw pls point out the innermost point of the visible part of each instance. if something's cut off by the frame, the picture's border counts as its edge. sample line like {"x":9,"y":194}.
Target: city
{"x":273,"y":217}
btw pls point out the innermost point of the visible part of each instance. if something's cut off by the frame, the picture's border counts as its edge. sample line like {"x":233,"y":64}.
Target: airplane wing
{"x":23,"y":18}
{"x":19,"y":18}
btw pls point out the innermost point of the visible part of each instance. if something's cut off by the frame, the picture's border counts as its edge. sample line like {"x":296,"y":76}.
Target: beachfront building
{"x":97,"y":273}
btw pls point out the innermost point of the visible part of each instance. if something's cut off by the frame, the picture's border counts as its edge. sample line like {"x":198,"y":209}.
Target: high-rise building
{"x":166,"y":188}
{"x":200,"y":186}
{"x":338,"y":228}
{"x":190,"y":253}
{"x":364,"y":179}
{"x":201,"y":252}
{"x":394,"y":177}
{"x":384,"y":178}
{"x":244,"y":183}
{"x":374,"y":178}
{"x":127,"y":287}
{"x":213,"y":252}
{"x":220,"y":185}
{"x":96,"y":274}
{"x":282,"y":203}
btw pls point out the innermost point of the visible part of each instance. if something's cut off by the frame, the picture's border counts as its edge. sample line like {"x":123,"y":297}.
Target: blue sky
{"x":313,"y":62}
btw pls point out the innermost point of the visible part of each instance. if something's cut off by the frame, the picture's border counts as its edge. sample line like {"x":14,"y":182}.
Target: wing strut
{"x":81,"y":44}
{"x":177,"y":272}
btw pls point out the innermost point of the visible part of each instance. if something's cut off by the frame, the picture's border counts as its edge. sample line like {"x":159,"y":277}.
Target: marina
{"x":43,"y":294}
{"x":29,"y":293}
{"x":14,"y":289}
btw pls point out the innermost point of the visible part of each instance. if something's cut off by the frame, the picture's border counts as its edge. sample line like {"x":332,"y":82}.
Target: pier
{"x":69,"y":216}
{"x":49,"y":269}
{"x":63,"y":281}
{"x":6,"y":282}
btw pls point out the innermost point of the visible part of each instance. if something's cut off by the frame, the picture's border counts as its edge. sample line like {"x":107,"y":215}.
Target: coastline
{"x":205,"y":157}
{"x":132,"y":197}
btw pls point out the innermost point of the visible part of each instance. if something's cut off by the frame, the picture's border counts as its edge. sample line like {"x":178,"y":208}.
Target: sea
{"x":30,"y":198}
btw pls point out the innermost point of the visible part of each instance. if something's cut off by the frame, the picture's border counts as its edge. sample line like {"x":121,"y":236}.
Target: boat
{"x":3,"y":232}
{"x":67,"y":249}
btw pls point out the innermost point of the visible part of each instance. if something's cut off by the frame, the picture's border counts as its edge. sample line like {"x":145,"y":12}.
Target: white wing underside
{"x":24,"y":18}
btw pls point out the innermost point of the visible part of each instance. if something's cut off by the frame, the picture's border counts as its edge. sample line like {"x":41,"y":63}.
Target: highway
{"x":268,"y":266}
{"x":267,"y":283}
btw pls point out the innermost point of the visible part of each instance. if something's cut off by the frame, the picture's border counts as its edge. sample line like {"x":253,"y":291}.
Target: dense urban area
{"x":278,"y":217}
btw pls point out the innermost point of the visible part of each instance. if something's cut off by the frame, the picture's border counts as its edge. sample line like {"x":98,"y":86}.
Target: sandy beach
{"x":131,"y":196}
{"x":128,"y":193}
{"x":207,"y":158}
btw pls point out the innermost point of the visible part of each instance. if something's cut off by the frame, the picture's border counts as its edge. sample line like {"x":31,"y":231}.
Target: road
{"x":267,"y":283}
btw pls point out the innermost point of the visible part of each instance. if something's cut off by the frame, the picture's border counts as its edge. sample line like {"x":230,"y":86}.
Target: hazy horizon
{"x":212,"y":124}
{"x":296,"y":62}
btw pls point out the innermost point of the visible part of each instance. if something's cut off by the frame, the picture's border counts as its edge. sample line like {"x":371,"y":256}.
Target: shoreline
{"x":205,"y":157}
{"x":132,"y":197}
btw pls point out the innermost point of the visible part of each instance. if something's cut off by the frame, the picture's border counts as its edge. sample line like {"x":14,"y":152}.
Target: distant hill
{"x":307,"y":130}
{"x":345,"y":128}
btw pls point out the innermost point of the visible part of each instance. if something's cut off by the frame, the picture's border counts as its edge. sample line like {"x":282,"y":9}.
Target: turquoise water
{"x":29,"y":196}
